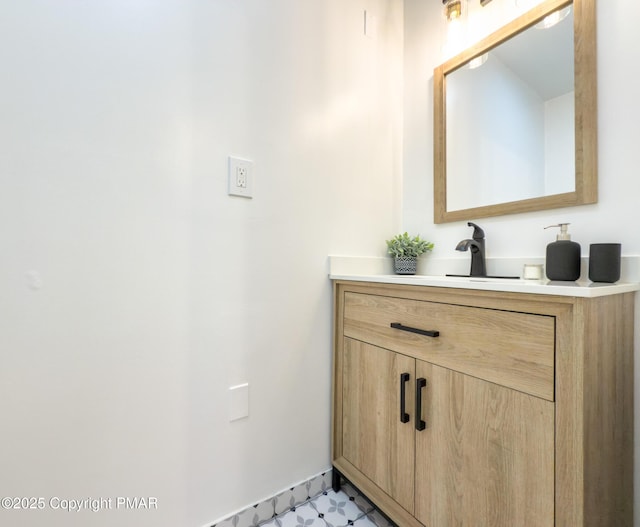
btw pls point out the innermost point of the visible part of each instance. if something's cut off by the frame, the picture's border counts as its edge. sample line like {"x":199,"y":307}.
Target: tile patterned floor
{"x":332,"y":509}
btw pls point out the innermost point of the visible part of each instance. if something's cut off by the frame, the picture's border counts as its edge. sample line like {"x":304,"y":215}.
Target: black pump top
{"x":478,"y":233}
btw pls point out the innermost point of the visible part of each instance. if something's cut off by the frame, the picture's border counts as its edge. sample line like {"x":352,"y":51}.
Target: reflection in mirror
{"x":515,"y":117}
{"x":510,"y":120}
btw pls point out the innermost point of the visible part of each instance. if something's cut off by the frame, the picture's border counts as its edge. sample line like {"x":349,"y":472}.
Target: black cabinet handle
{"x":420,"y":424}
{"x":404,"y":416}
{"x":428,"y":333}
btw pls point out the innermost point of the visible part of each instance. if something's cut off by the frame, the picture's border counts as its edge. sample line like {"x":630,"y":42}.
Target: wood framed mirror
{"x":500,"y":151}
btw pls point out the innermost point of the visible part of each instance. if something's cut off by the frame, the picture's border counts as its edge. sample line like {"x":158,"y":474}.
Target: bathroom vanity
{"x":483,"y":403}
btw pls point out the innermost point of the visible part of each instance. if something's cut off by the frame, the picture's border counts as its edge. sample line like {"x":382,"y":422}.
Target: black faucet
{"x":478,"y":266}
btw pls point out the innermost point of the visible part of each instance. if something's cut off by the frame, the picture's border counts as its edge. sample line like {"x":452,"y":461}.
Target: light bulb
{"x":553,"y":18}
{"x":478,"y":61}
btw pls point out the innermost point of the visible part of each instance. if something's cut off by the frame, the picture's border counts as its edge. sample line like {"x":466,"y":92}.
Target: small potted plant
{"x":405,"y":250}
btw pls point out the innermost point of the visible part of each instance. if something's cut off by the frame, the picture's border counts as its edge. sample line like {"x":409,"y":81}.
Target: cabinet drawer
{"x":508,"y":348}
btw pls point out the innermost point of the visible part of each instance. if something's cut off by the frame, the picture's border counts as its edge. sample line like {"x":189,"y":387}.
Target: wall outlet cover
{"x":238,"y":401}
{"x":240,"y":177}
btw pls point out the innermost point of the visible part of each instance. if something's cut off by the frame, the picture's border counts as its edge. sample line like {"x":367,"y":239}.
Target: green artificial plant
{"x":404,"y":246}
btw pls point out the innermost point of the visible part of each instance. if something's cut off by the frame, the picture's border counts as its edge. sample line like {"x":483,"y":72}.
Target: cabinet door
{"x":486,"y":457}
{"x":375,"y":440}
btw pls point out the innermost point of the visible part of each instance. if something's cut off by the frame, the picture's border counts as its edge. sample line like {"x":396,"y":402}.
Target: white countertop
{"x":539,"y":287}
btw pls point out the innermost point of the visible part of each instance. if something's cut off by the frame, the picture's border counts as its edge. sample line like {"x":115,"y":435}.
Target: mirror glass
{"x":510,"y":120}
{"x":506,"y":130}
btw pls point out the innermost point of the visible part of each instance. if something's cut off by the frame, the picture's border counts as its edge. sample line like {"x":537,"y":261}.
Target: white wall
{"x":133,"y":290}
{"x":616,"y":214}
{"x":559,"y":142}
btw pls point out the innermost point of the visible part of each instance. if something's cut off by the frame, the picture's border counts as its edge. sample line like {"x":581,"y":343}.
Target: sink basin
{"x":481,"y":278}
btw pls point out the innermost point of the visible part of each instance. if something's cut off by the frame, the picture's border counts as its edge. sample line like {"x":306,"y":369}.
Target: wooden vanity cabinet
{"x":477,"y":408}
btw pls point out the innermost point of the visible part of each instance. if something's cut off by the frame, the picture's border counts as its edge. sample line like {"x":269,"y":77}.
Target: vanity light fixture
{"x":553,"y":18}
{"x":452,"y":9}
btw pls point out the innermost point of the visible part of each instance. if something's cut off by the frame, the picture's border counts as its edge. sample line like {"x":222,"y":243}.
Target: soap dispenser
{"x":563,"y":257}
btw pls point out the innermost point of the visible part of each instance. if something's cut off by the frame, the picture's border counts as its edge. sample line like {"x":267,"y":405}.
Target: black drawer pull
{"x":428,"y":333}
{"x":420,"y":423}
{"x":404,"y":416}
